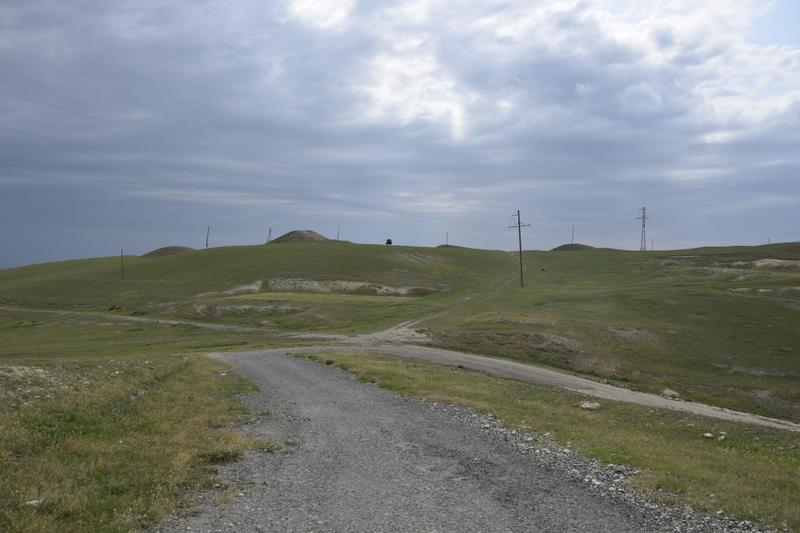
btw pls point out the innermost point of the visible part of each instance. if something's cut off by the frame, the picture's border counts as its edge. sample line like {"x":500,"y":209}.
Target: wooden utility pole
{"x":208,"y":232}
{"x":337,"y":233}
{"x":519,"y":225}
{"x":121,"y":264}
{"x":446,"y":238}
{"x":573,"y":234}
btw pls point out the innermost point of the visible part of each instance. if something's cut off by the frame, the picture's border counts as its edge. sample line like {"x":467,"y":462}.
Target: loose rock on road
{"x":365,"y":459}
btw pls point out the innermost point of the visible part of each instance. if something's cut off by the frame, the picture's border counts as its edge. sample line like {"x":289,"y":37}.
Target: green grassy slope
{"x":192,"y":284}
{"x":108,"y":426}
{"x":96,"y":282}
{"x":707,"y":323}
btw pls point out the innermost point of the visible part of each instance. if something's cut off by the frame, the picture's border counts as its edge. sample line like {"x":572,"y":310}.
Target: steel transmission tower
{"x":643,"y":218}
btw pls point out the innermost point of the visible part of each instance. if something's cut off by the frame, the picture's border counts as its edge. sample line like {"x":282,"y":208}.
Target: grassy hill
{"x":88,"y":404}
{"x":231,"y":284}
{"x":706,"y":323}
{"x":572,"y":247}
{"x":718,"y":325}
{"x":167,"y":250}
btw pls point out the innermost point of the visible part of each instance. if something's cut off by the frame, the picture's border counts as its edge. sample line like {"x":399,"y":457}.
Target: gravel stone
{"x":367,"y":459}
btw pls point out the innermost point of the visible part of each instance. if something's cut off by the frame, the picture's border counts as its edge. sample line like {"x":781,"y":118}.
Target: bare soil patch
{"x":738,"y":369}
{"x":29,"y":384}
{"x":771,"y":263}
{"x":219,"y":310}
{"x":345,"y":286}
{"x":630,"y":334}
{"x":300,"y":235}
{"x":250,"y":288}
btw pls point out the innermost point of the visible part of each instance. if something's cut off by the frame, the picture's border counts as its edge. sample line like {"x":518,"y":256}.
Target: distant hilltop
{"x":168,"y":250}
{"x":572,"y":247}
{"x":301,"y":235}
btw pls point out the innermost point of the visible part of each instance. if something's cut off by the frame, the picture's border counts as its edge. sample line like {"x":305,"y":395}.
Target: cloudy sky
{"x":137,"y":124}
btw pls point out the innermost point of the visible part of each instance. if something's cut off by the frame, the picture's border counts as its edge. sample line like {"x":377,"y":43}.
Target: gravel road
{"x":366,"y":459}
{"x":505,"y":368}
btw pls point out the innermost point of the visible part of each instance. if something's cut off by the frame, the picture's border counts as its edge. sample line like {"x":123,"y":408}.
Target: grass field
{"x":710,"y":324}
{"x":706,"y":323}
{"x":108,"y":425}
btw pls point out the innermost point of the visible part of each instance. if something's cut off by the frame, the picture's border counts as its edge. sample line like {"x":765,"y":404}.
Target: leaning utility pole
{"x":208,"y":232}
{"x":643,"y":218}
{"x":269,"y":236}
{"x":519,"y":225}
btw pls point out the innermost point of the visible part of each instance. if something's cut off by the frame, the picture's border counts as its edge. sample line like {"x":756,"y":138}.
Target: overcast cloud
{"x":136,"y":124}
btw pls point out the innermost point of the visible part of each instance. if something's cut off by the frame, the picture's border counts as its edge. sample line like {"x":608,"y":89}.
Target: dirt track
{"x":391,"y":342}
{"x":510,"y":369}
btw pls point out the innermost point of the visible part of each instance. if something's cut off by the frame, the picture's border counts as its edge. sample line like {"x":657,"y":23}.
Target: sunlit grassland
{"x":754,"y":473}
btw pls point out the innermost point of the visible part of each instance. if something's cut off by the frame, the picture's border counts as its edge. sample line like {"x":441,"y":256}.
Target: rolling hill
{"x":717,"y":325}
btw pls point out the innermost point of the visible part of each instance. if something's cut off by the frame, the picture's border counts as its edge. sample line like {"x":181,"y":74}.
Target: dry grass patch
{"x":122,"y":453}
{"x":108,"y":429}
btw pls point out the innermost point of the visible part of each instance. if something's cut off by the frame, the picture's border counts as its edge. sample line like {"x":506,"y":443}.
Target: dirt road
{"x":393,"y":342}
{"x":545,"y":376}
{"x":366,"y":459}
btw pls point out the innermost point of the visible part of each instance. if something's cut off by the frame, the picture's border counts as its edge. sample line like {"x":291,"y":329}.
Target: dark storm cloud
{"x":405,"y":118}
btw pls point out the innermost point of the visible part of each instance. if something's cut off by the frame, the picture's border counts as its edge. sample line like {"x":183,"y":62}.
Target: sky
{"x":138,"y":124}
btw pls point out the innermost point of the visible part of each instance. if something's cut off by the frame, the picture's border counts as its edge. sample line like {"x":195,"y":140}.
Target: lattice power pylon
{"x":643,"y":218}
